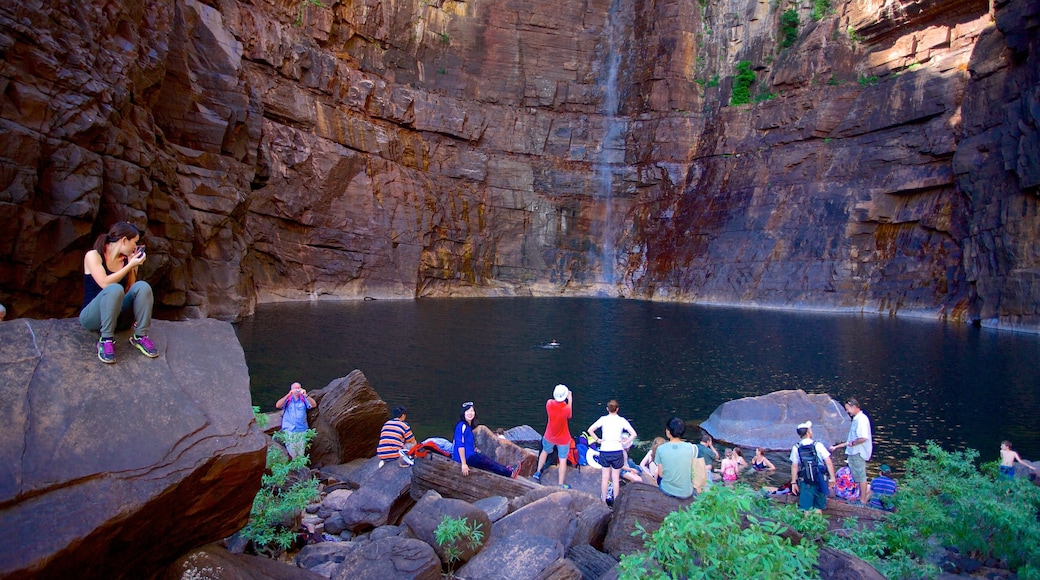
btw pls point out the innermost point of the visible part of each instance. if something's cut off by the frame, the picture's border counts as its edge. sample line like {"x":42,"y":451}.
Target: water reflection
{"x":917,"y":380}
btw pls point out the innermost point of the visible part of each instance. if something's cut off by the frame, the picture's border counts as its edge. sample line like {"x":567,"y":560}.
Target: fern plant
{"x":454,"y":535}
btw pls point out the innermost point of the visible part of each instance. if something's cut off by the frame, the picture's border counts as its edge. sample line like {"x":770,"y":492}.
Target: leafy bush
{"x":789,"y":28}
{"x":865,"y":81}
{"x":281,"y":497}
{"x":707,"y":540}
{"x":452,"y":534}
{"x":820,"y":9}
{"x":742,"y":84}
{"x":945,"y":501}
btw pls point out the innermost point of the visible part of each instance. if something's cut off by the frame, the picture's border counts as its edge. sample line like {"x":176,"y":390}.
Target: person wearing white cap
{"x":806,"y":476}
{"x":557,"y":433}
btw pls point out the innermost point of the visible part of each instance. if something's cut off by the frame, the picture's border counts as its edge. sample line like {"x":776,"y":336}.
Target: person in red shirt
{"x":557,"y":434}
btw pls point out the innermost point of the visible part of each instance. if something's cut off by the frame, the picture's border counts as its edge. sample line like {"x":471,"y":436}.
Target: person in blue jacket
{"x":464,"y":451}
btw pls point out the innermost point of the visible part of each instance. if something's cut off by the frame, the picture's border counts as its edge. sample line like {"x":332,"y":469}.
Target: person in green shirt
{"x":675,"y":461}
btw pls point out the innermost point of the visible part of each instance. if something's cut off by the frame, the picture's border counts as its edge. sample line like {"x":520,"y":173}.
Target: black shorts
{"x":612,"y":459}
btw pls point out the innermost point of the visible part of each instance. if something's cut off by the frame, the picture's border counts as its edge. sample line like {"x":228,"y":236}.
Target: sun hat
{"x":806,"y":425}
{"x":560,"y":393}
{"x":885,"y":468}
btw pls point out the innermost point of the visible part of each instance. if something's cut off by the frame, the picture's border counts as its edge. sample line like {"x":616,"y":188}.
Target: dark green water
{"x":917,"y":380}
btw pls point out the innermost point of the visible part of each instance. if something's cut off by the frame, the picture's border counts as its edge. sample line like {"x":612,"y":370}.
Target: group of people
{"x":810,"y":458}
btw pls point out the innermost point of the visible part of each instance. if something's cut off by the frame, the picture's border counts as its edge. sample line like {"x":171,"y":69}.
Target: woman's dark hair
{"x":462,"y":417}
{"x":676,"y":427}
{"x":612,"y":406}
{"x":118,"y":231}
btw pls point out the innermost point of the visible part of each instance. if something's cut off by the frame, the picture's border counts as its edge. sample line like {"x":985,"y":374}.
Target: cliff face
{"x":277,"y":150}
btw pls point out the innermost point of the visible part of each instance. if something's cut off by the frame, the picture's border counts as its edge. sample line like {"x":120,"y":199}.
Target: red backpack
{"x":572,"y":453}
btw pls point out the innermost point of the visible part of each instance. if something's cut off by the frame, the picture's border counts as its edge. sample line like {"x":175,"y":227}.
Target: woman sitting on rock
{"x":465,"y":452}
{"x":113,"y":297}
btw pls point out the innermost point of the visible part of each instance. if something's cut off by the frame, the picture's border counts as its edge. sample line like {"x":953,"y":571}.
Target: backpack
{"x":809,"y":463}
{"x":572,"y":453}
{"x":699,"y":473}
{"x":844,"y":486}
{"x":581,"y":449}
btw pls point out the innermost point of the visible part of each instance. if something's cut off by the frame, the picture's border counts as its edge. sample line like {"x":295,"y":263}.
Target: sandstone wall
{"x":279,"y":150}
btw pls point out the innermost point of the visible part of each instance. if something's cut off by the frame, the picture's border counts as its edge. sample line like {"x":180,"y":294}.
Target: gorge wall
{"x":290,"y":149}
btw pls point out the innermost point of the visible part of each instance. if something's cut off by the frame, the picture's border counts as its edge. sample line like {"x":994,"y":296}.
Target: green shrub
{"x":707,"y":540}
{"x":820,"y":9}
{"x":865,"y":81}
{"x":789,"y":28}
{"x":742,"y":84}
{"x":453,"y":535}
{"x":945,"y":501}
{"x":281,"y":497}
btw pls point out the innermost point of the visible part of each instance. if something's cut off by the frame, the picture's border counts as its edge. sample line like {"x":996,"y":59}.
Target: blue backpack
{"x":582,"y":449}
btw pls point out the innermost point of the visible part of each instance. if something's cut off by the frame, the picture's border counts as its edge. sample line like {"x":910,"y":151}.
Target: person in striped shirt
{"x":395,"y":437}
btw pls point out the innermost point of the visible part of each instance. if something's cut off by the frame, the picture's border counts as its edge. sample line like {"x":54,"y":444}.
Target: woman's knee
{"x":142,"y":288}
{"x":112,"y":290}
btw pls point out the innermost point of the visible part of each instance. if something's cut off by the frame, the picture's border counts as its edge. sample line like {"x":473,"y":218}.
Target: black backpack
{"x":809,"y":463}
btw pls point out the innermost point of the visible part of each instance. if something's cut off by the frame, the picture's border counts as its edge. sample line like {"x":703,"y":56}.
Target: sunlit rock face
{"x":280,"y":150}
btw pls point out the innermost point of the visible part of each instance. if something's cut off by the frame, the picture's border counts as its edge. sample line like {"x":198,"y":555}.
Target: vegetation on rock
{"x":742,"y":84}
{"x":945,"y":502}
{"x":708,"y":539}
{"x":820,"y":9}
{"x":789,"y":24}
{"x":452,"y":534}
{"x":282,"y":497}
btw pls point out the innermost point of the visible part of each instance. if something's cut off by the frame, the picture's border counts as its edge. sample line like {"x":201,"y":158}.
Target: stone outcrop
{"x":393,"y":558}
{"x":770,"y":420}
{"x":280,"y":151}
{"x":208,"y":561}
{"x":428,"y":513}
{"x":516,"y":556}
{"x":348,"y":419}
{"x":382,"y":501}
{"x":117,"y":470}
{"x":640,"y":503}
{"x":443,"y":475}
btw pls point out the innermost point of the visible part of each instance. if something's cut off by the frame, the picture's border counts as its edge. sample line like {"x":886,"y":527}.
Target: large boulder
{"x":382,"y":499}
{"x":517,"y":556}
{"x":770,"y":420}
{"x":504,"y":451}
{"x":213,"y":561}
{"x":444,"y":475}
{"x":643,"y":504}
{"x":558,"y":516}
{"x":393,"y":558}
{"x":348,"y":419}
{"x":431,"y":510}
{"x":117,"y":470}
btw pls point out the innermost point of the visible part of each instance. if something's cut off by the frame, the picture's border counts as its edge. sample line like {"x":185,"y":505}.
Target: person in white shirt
{"x":811,"y":494}
{"x":616,"y":434}
{"x":859,"y":447}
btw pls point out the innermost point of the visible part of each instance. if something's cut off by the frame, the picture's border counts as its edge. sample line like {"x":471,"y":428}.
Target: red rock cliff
{"x":279,"y":149}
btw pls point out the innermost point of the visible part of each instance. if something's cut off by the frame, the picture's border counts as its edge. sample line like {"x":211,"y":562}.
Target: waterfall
{"x":610,"y":157}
